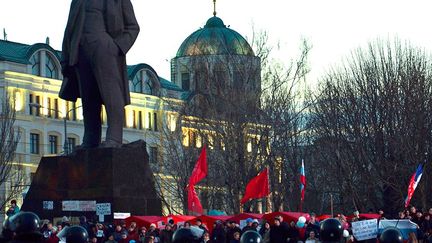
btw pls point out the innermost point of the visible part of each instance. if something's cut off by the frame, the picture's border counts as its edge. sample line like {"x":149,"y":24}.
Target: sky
{"x":333,"y":27}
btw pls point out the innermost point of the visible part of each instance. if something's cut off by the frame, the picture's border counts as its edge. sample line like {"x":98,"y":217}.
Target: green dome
{"x":215,"y":39}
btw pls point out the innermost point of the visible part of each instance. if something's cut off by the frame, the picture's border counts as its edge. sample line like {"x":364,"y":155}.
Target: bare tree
{"x":11,"y":174}
{"x":249,"y":118}
{"x":372,"y":124}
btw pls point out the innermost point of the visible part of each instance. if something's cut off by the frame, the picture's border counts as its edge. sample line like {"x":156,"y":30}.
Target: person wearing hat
{"x":154,"y":232}
{"x":173,"y":225}
{"x":65,"y":221}
{"x":255,"y":224}
{"x":249,"y":222}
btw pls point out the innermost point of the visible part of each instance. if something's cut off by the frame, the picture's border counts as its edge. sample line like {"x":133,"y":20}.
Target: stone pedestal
{"x":119,"y":176}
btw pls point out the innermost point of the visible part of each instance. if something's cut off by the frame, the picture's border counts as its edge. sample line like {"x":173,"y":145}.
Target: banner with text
{"x":365,"y":230}
{"x":80,"y":206}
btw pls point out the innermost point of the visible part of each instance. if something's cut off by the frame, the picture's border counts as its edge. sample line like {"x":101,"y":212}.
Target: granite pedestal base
{"x":119,"y":176}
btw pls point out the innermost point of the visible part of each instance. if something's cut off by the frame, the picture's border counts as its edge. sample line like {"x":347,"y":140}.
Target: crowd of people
{"x":276,"y":230}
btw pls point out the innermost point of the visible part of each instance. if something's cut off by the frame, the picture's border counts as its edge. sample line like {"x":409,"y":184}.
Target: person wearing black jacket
{"x":277,"y":232}
{"x":293,"y":234}
{"x":232,"y":229}
{"x":218,"y":234}
{"x":166,"y":235}
{"x":426,"y":226}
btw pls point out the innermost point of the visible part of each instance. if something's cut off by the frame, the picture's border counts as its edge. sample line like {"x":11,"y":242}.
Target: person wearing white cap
{"x":255,"y":224}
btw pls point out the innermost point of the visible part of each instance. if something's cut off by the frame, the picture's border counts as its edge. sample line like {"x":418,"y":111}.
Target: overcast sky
{"x":333,"y":27}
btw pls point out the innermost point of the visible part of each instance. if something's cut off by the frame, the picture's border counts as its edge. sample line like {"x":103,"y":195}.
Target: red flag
{"x":194,"y":203}
{"x":258,"y":187}
{"x":200,"y":170}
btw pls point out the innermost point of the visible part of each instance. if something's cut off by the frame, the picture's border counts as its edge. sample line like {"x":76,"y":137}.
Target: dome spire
{"x":214,"y":7}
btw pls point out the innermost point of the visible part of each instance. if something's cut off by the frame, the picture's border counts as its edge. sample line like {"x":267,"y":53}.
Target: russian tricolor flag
{"x":415,"y":179}
{"x":302,"y":181}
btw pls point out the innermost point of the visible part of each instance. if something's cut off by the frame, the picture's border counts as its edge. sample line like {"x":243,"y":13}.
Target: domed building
{"x":216,"y":60}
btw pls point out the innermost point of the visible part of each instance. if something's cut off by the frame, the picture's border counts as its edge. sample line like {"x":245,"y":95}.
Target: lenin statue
{"x":98,"y":35}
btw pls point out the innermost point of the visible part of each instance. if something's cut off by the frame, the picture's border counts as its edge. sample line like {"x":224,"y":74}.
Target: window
{"x":140,"y":124}
{"x":37,"y":101}
{"x":134,"y":119}
{"x":185,"y":81}
{"x":148,"y":83}
{"x":143,"y":82}
{"x":53,"y":144}
{"x":136,"y":84}
{"x":155,"y":123}
{"x":51,"y":70}
{"x":73,"y":111}
{"x":30,"y":104}
{"x":56,"y":108}
{"x":172,"y":122}
{"x":49,"y":108}
{"x":153,"y":157}
{"x":71,"y":143}
{"x":149,"y":121}
{"x":35,"y":62}
{"x":34,"y":143}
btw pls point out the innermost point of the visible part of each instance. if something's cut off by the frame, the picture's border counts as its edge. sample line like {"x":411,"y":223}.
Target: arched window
{"x":145,"y":81}
{"x":35,"y":62}
{"x":136,"y":84}
{"x":51,"y":69}
{"x":149,"y":81}
{"x":44,"y":64}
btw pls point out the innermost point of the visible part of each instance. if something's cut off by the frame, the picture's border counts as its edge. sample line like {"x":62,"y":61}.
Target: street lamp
{"x":65,"y":118}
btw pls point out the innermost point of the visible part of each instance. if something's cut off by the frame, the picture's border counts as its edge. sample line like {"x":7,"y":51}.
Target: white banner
{"x":121,"y":215}
{"x":103,"y":208}
{"x":365,"y":230}
{"x":80,"y":206}
{"x":70,"y":205}
{"x":87,"y":206}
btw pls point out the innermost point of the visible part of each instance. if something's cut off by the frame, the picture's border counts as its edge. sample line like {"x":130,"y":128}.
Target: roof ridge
{"x":16,"y":43}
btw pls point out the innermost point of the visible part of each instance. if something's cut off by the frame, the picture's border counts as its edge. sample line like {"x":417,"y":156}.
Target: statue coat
{"x":120,"y":24}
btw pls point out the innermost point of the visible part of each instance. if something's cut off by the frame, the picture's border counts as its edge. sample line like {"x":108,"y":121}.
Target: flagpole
{"x":331,"y":204}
